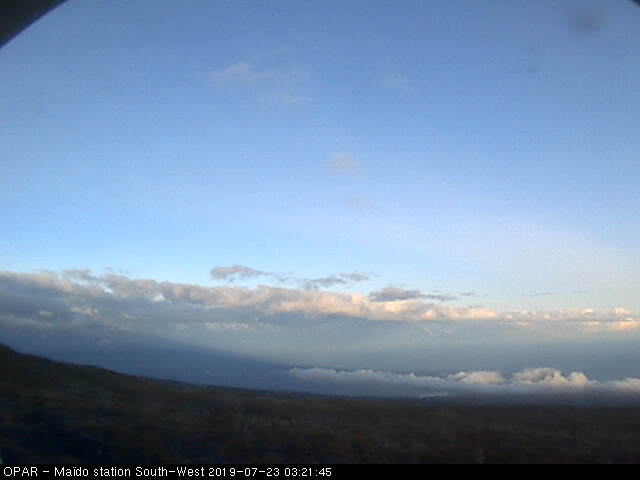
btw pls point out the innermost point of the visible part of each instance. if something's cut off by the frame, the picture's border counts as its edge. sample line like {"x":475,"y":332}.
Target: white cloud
{"x":282,"y":322}
{"x":282,"y":85}
{"x":550,"y":376}
{"x":609,"y":326}
{"x":241,"y":272}
{"x":481,"y":378}
{"x":242,"y":73}
{"x":528,"y":381}
{"x":631,"y":385}
{"x":84,"y":294}
{"x":237,"y":271}
{"x":81,"y":288}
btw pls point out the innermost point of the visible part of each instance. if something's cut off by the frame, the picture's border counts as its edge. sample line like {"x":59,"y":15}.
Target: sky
{"x":349,"y":190}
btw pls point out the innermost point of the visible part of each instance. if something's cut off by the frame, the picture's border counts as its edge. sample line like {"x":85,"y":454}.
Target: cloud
{"x":621,"y":312}
{"x":391,"y":294}
{"x":234,"y":272}
{"x":333,"y":280}
{"x":616,"y":326}
{"x":355,"y":277}
{"x":243,"y":73}
{"x":241,"y":272}
{"x":342,"y":163}
{"x":479,"y":378}
{"x":619,"y":320}
{"x":541,"y":381}
{"x":551,"y":377}
{"x":78,"y":295}
{"x":282,"y":85}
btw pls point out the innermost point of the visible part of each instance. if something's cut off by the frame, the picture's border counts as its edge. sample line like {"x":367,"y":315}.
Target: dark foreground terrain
{"x":60,"y":413}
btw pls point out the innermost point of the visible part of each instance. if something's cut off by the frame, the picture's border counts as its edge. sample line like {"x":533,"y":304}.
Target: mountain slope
{"x":52,"y":412}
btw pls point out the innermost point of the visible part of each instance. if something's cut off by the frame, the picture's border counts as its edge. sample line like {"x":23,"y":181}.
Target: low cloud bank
{"x":531,"y":381}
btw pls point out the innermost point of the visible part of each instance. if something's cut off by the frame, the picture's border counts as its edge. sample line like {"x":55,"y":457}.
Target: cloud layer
{"x":45,"y":296}
{"x":308,"y":326}
{"x":530,"y":381}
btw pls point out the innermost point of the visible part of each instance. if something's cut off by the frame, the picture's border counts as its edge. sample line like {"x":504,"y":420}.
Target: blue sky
{"x":462,"y":168}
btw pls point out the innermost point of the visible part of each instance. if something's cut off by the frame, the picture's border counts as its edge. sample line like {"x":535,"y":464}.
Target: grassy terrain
{"x":52,"y":412}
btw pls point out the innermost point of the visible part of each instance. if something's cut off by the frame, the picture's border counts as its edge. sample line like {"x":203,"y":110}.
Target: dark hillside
{"x":55,"y":412}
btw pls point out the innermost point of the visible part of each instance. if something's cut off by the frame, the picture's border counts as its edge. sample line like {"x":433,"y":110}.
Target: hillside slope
{"x":63,"y":413}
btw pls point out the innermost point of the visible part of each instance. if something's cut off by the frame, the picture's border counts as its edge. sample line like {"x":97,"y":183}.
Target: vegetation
{"x":60,"y":413}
